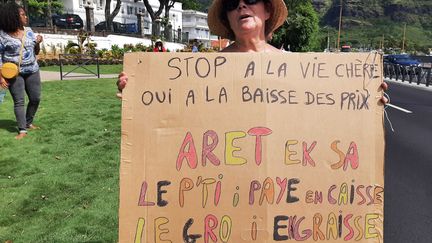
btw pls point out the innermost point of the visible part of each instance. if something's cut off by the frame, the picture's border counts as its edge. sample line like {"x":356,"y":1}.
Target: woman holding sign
{"x":247,"y":22}
{"x":19,"y":70}
{"x":250,"y":23}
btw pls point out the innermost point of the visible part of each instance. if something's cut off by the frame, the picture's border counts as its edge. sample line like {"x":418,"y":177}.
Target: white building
{"x":127,"y":14}
{"x":192,"y":22}
{"x":195,"y":24}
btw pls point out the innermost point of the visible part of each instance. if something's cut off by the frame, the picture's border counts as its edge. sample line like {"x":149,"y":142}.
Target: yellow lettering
{"x":289,"y":153}
{"x":230,"y":159}
{"x":159,"y":231}
{"x":369,"y":226}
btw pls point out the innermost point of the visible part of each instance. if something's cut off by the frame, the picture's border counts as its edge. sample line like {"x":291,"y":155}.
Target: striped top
{"x":10,"y":48}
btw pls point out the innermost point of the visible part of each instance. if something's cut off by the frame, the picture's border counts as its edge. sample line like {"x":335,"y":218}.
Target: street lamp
{"x":340,"y":26}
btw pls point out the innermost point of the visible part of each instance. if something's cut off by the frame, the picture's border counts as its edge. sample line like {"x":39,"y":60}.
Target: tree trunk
{"x":110,"y":16}
{"x":168,"y":4}
{"x":154,"y":15}
{"x":49,"y":13}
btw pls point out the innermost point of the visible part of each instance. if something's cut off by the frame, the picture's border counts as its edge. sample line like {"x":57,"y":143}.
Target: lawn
{"x":60,"y":183}
{"x":103,"y":69}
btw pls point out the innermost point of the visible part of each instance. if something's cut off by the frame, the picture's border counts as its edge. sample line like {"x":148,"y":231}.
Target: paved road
{"x":408,"y":168}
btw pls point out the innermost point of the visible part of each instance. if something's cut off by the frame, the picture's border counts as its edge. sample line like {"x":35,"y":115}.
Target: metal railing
{"x":80,"y":61}
{"x":419,"y":75}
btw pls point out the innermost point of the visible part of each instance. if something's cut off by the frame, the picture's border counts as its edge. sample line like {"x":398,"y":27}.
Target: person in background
{"x":159,"y":46}
{"x":249,"y":23}
{"x":13,"y":36}
{"x":195,"y":47}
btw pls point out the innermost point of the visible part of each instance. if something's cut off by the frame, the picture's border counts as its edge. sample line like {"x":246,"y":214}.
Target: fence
{"x":419,"y":75}
{"x":79,"y":62}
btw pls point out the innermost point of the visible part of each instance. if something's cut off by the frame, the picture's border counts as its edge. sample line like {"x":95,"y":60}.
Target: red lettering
{"x":351,"y":157}
{"x":259,"y":132}
{"x":306,"y":154}
{"x":190,"y":155}
{"x":207,"y":149}
{"x":210,"y":223}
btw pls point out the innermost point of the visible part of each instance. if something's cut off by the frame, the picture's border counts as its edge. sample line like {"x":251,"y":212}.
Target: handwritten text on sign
{"x":252,"y":148}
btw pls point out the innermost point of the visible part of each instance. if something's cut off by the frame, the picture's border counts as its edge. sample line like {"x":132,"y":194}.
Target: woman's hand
{"x":3,"y":83}
{"x":384,"y":99}
{"x":39,"y":39}
{"x":121,"y":83}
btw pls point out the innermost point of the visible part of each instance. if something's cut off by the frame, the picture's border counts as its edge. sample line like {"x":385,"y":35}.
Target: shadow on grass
{"x":8,"y":125}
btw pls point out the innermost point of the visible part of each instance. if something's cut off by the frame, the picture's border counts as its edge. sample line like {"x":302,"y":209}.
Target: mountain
{"x":413,"y":12}
{"x":367,"y":22}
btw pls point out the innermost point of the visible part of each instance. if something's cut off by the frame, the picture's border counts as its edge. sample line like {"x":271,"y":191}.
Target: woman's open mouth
{"x":244,"y":16}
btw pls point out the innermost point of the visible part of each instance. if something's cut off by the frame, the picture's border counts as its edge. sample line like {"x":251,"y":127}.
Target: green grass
{"x":60,"y":183}
{"x":104,"y":69}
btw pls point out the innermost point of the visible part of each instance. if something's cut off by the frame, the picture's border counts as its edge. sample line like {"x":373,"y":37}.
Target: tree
{"x":168,"y":4}
{"x":43,"y":9}
{"x":109,"y":16}
{"x":299,"y":32}
{"x":165,"y":5}
{"x":191,"y":4}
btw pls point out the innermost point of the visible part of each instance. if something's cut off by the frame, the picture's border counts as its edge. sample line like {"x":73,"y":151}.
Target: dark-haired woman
{"x":17,"y":45}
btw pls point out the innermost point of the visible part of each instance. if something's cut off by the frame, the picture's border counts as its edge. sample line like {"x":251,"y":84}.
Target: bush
{"x":55,"y":61}
{"x":41,"y":63}
{"x":113,"y":56}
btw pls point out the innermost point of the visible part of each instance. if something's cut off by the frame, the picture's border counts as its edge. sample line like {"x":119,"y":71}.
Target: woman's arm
{"x":39,"y":39}
{"x":3,"y":83}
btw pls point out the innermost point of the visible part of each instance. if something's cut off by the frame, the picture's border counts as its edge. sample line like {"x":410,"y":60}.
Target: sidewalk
{"x":54,"y":76}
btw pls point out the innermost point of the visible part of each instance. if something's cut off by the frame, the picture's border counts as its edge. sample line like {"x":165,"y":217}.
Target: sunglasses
{"x":230,"y":5}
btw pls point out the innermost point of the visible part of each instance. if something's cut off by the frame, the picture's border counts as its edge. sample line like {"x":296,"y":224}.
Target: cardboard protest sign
{"x":264,"y":147}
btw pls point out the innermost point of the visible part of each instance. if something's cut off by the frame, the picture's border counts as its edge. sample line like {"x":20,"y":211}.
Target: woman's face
{"x":249,"y":16}
{"x":23,"y":17}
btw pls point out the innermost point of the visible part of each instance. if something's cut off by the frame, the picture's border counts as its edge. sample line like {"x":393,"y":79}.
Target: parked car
{"x":68,"y":21}
{"x":37,"y":22}
{"x":402,"y":59}
{"x":346,"y":48}
{"x":118,"y":27}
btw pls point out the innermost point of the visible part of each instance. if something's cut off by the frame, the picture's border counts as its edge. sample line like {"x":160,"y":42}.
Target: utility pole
{"x":403,"y":39}
{"x":340,"y":26}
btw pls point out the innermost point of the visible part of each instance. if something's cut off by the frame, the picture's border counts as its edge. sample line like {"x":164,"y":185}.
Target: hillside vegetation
{"x":365,"y":23}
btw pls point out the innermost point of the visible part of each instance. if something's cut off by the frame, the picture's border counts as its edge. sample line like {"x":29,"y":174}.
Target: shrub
{"x":41,"y":63}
